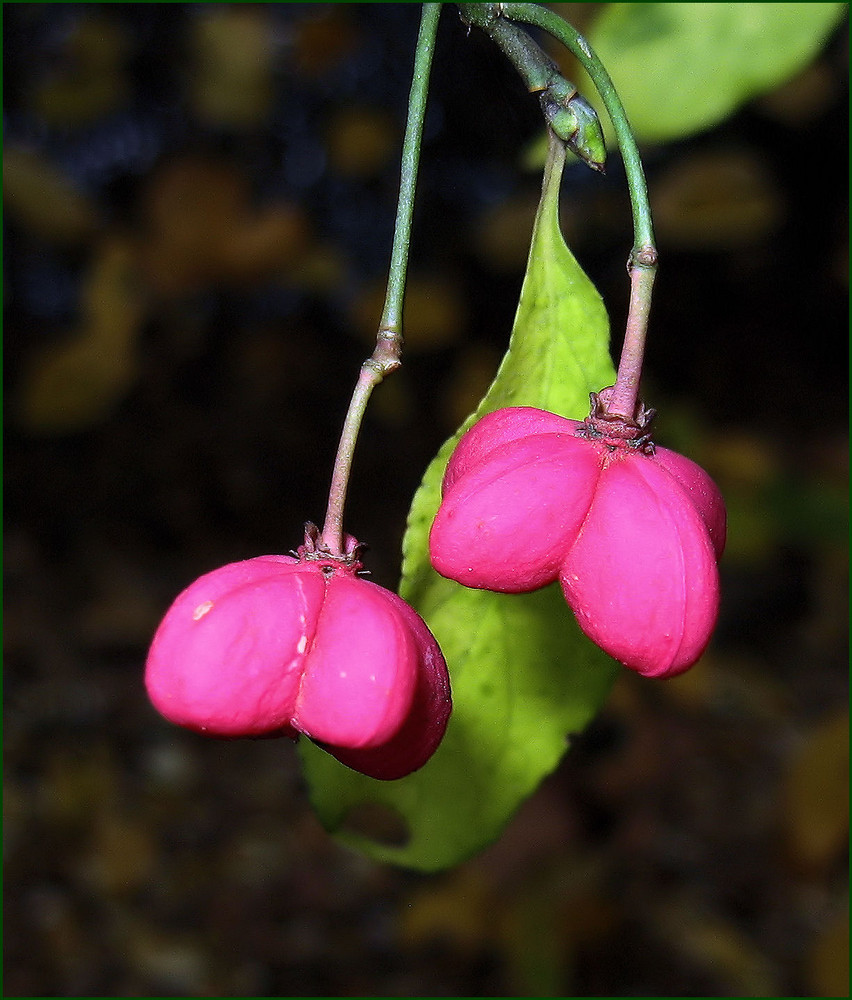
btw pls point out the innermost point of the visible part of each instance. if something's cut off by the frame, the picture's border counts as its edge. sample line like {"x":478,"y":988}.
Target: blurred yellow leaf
{"x":231,"y":82}
{"x":360,"y":141}
{"x":829,"y":959}
{"x":745,"y":466}
{"x":468,"y":382}
{"x":71,"y":385}
{"x":803,"y":98}
{"x":89,"y":79}
{"x":815,"y":798}
{"x":188,"y":208}
{"x":502,"y":237}
{"x":459,"y":910}
{"x":716,"y":946}
{"x":199,"y":228}
{"x":269,"y":242}
{"x":122,"y":853}
{"x":323,"y":39}
{"x":394,"y":402}
{"x":742,"y":458}
{"x":715,"y":198}
{"x":560,"y":907}
{"x":320,"y":267}
{"x":733,"y":685}
{"x":43,"y":201}
{"x":434,"y":312}
{"x":75,"y":786}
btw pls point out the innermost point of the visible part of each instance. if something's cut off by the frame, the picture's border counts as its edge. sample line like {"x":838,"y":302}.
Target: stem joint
{"x":644,"y":257}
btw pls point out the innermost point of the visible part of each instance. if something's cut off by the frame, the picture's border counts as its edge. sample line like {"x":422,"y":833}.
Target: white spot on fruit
{"x":201,"y":610}
{"x":303,"y":644}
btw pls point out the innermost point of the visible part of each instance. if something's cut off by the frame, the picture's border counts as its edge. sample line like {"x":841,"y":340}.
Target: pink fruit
{"x":279,"y":645}
{"x":496,"y":528}
{"x":633,"y":533}
{"x":502,"y":427}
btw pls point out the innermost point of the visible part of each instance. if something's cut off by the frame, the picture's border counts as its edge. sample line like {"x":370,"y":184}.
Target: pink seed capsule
{"x":641,"y":576}
{"x":633,"y":535}
{"x":279,"y":645}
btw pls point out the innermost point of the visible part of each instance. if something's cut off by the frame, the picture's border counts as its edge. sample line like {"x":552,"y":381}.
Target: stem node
{"x":646,"y":256}
{"x":385,"y":358}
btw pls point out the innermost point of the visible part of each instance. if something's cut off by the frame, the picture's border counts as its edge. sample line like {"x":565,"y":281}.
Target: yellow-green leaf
{"x":684,"y":67}
{"x":523,"y":675}
{"x":681,"y":68}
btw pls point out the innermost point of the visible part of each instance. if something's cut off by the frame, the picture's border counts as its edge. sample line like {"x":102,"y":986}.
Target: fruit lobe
{"x":641,"y":576}
{"x":498,"y":428}
{"x":493,"y":529}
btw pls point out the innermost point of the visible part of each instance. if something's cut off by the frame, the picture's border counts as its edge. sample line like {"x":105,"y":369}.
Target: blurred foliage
{"x":79,"y":381}
{"x":684,"y":67}
{"x":219,"y":261}
{"x":681,"y":68}
{"x":38,"y":197}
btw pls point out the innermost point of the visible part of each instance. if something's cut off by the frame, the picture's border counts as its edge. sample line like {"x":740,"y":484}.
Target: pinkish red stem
{"x":624,"y":397}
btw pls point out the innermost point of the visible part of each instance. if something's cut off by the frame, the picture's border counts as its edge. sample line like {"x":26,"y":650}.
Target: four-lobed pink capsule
{"x":303,"y":645}
{"x":279,"y":645}
{"x":632,"y":534}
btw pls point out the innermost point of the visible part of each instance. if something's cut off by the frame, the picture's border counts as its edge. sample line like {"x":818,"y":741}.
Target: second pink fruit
{"x":530,"y":497}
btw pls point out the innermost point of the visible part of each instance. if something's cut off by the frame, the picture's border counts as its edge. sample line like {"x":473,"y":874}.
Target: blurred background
{"x":199,"y":204}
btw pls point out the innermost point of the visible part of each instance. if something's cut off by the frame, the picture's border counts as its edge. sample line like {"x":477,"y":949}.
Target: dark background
{"x":199,"y":205}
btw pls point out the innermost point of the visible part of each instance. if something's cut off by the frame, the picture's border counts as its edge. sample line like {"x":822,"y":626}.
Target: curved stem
{"x":386,"y":355}
{"x":623,"y":400}
{"x":567,"y":114}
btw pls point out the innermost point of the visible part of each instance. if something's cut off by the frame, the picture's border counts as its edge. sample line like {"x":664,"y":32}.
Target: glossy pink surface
{"x":505,"y":523}
{"x":703,"y":492}
{"x":423,"y":728}
{"x":226,"y":658}
{"x":641,"y":575}
{"x":634,"y":538}
{"x":499,"y":428}
{"x":275,"y":645}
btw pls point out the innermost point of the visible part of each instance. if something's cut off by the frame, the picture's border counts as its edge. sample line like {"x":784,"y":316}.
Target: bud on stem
{"x":568,"y":115}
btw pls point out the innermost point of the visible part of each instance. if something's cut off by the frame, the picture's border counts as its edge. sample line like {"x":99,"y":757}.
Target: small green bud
{"x":588,"y":143}
{"x":576,"y":123}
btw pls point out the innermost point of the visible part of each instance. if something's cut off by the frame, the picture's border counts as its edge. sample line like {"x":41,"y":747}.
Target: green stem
{"x":386,"y":356}
{"x":567,"y":114}
{"x":536,"y":68}
{"x":642,"y":264}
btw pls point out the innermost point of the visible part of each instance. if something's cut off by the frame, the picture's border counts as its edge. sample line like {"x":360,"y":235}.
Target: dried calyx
{"x":603,"y":423}
{"x":313,"y":549}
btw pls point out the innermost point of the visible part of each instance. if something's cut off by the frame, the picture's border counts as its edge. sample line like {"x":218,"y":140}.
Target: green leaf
{"x":680,"y":68}
{"x":558,"y":354}
{"x":524,"y":677}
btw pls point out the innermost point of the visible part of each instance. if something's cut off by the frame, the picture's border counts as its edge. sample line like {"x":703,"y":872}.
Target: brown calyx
{"x":616,"y":428}
{"x":313,"y":550}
